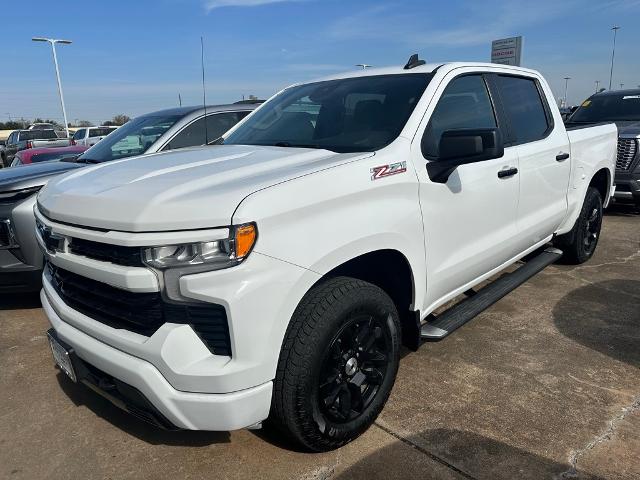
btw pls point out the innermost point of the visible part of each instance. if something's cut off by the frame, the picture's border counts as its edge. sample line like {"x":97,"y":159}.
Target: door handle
{"x":507,"y":172}
{"x":561,"y":157}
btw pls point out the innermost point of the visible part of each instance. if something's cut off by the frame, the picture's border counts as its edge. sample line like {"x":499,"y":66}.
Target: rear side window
{"x":525,"y":111}
{"x":464,"y":104}
{"x":100,"y":132}
{"x":194,"y":134}
{"x":37,"y":134}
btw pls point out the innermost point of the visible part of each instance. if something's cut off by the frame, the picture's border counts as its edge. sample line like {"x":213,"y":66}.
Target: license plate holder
{"x":62,"y":357}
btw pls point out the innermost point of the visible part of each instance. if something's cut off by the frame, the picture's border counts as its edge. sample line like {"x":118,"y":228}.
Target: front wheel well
{"x":390,"y":270}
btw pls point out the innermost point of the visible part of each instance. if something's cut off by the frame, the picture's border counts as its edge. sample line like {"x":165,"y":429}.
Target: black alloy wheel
{"x":354,"y":367}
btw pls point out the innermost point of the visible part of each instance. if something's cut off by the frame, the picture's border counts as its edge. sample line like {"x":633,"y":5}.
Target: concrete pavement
{"x":545,"y":384}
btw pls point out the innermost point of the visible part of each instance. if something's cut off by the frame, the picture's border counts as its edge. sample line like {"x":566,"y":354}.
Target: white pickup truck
{"x":277,"y":274}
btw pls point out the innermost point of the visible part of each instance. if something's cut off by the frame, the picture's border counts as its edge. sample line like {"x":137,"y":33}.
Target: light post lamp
{"x":566,"y":88}
{"x":53,"y":42}
{"x":615,"y":29}
{"x":364,"y":66}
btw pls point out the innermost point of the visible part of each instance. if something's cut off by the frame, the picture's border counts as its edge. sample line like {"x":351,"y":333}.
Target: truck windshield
{"x":133,"y":138}
{"x":608,"y":108}
{"x":360,"y":114}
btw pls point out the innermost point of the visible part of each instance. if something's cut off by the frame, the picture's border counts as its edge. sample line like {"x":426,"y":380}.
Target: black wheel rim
{"x":592,"y":230}
{"x":354,"y":368}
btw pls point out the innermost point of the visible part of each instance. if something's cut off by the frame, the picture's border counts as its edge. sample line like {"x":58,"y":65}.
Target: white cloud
{"x":210,"y":5}
{"x":478,"y":26}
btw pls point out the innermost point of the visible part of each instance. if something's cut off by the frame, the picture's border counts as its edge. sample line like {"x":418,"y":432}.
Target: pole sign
{"x":507,"y":51}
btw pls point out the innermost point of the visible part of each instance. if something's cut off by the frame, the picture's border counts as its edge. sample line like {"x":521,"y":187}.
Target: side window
{"x":524,"y":108}
{"x":194,"y":134}
{"x":218,"y":124}
{"x":188,"y":137}
{"x":465,"y":103}
{"x":79,"y":135}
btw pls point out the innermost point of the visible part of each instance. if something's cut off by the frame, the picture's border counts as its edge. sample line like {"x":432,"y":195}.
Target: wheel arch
{"x":390,"y":270}
{"x":601,"y":181}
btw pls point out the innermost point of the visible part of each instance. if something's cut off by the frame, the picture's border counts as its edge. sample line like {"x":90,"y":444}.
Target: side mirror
{"x":464,"y":146}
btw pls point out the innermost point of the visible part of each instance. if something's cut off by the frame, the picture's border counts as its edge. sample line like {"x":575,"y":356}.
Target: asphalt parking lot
{"x":545,"y":384}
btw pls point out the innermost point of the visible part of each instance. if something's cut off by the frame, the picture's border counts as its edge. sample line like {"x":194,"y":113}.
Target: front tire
{"x":337,"y":365}
{"x":580,"y":243}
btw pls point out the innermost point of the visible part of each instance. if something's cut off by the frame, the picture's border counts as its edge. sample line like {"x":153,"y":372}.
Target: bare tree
{"x":117,"y":120}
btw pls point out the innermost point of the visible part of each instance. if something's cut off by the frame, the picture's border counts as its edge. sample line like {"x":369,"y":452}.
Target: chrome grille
{"x":627,"y":149}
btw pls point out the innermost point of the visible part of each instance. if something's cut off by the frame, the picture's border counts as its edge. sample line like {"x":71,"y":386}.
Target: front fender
{"x":324,"y":219}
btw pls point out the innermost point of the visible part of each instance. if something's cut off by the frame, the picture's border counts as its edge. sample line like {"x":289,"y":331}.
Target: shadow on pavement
{"x":596,"y":317}
{"x":622,"y":210}
{"x":14,"y":301}
{"x":81,"y":395}
{"x":473,"y":455}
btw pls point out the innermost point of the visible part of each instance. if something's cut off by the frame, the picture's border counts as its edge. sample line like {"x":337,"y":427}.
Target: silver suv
{"x":20,"y":259}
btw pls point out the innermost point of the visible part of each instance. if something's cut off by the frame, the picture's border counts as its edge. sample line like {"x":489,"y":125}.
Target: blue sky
{"x":136,"y":56}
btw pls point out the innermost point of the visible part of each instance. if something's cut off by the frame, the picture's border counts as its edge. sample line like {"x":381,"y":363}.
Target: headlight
{"x":218,"y":254}
{"x":16,"y":195}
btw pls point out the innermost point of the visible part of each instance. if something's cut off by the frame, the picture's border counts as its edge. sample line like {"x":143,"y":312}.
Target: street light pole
{"x":615,"y":29}
{"x":55,"y":61}
{"x":597,"y":85}
{"x":566,"y":87}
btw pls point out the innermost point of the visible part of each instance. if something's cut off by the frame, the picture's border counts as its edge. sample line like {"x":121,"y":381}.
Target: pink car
{"x":34,"y":155}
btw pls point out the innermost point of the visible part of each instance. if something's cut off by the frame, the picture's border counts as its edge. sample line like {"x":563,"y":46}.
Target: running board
{"x":439,"y":327}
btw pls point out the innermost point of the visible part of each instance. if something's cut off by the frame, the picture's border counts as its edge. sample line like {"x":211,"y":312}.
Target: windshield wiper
{"x":85,"y":160}
{"x":297,"y":145}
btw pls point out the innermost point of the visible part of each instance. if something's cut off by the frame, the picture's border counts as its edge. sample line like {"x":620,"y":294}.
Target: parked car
{"x":91,"y":135}
{"x":204,"y":289}
{"x":25,"y":139}
{"x":20,"y":259}
{"x":35,"y":155}
{"x":623,"y":108}
{"x":3,"y":145}
{"x":167,"y":130}
{"x":41,"y":126}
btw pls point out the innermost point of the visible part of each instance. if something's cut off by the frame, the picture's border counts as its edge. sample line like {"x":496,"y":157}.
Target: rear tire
{"x":337,"y":365}
{"x":580,"y":243}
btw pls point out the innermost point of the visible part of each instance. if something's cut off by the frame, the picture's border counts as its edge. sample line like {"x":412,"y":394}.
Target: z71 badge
{"x":388,"y":170}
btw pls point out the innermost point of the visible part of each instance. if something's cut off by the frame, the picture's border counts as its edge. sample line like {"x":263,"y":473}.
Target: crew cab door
{"x":543,"y":151}
{"x":469,"y":219}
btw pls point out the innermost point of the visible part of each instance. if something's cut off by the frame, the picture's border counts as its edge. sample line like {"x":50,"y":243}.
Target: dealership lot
{"x":544,"y":381}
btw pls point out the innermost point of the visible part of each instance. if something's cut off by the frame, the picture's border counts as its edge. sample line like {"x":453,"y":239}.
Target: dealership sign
{"x":507,"y":51}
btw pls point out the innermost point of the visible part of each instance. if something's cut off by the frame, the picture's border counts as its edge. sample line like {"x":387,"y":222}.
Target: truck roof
{"x":630,"y":91}
{"x":426,"y":68}
{"x":182,"y":111}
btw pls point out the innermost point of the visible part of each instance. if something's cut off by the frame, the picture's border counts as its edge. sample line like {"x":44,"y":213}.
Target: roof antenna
{"x":204,"y":93}
{"x":414,"y":62}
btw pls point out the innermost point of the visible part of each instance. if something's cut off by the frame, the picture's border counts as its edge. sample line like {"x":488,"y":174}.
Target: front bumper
{"x":183,"y":410}
{"x":628,"y":186}
{"x":20,"y":264}
{"x":20,"y":281}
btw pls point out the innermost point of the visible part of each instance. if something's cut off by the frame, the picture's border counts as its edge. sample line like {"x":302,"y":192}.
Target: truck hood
{"x":186,"y":189}
{"x":36,"y":175}
{"x":628,"y":128}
